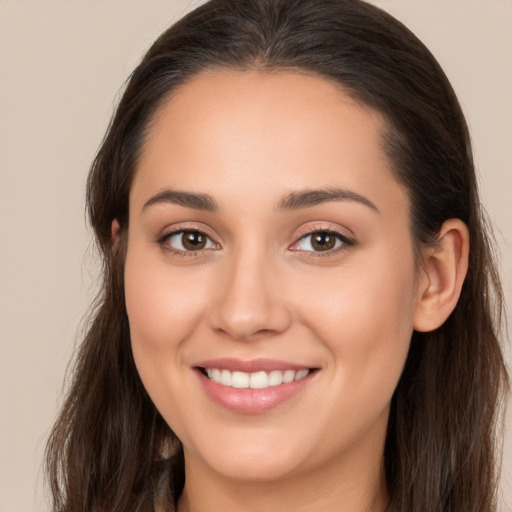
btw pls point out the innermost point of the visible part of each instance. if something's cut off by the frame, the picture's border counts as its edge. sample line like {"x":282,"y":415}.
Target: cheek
{"x":161,"y":305}
{"x":364,"y":317}
{"x":164,"y":308}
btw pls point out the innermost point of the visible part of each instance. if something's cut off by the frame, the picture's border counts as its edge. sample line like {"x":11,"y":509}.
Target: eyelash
{"x":346,"y":242}
{"x":179,"y":252}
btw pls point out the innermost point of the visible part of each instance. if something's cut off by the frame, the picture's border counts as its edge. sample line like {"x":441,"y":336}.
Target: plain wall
{"x":62,"y":63}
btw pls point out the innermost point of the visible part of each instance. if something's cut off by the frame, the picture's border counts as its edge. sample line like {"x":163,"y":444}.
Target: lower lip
{"x":252,"y":401}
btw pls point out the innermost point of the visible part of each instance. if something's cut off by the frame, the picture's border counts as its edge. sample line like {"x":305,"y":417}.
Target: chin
{"x":266,"y":469}
{"x":252,"y":462}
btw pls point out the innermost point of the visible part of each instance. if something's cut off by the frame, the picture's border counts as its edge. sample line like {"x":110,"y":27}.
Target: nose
{"x":251,"y":302}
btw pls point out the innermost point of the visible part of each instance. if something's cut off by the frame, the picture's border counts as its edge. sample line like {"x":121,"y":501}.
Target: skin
{"x":258,"y":289}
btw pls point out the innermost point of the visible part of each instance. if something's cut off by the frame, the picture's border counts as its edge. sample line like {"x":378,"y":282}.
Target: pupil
{"x":193,"y":240}
{"x":323,"y":241}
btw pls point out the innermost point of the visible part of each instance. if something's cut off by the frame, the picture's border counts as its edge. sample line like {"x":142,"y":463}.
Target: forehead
{"x":268,"y":131}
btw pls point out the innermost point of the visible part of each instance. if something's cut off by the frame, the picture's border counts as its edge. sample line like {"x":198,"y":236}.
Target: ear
{"x":115,"y":232}
{"x":444,"y":268}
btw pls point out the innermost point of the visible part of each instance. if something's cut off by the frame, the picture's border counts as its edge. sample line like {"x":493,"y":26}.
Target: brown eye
{"x":188,"y":240}
{"x":193,"y":240}
{"x":323,"y":241}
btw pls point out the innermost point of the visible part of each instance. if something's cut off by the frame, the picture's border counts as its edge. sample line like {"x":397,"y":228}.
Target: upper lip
{"x":251,"y":365}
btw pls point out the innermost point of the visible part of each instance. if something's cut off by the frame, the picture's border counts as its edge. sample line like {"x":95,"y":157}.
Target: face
{"x":270,"y":274}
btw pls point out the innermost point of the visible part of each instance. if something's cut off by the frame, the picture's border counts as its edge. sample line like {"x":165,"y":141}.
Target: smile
{"x":255,"y":386}
{"x":255,"y":380}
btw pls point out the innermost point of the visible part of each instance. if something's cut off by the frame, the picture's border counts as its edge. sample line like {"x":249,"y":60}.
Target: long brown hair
{"x":110,"y":449}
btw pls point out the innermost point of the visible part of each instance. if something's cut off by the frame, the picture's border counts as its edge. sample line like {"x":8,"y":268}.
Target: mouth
{"x":256,"y":386}
{"x":254,"y":380}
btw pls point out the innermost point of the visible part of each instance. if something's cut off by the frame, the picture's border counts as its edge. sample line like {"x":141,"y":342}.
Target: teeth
{"x":239,"y":379}
{"x":301,"y":374}
{"x":288,"y":376}
{"x":257,"y":380}
{"x":275,"y":378}
{"x":216,"y":375}
{"x":225,"y":378}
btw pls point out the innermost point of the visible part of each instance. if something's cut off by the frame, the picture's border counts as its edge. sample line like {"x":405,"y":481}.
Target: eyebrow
{"x":309,"y":198}
{"x":187,"y":199}
{"x":293,"y":201}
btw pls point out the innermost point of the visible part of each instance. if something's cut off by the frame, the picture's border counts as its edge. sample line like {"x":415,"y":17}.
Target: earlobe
{"x":444,"y":269}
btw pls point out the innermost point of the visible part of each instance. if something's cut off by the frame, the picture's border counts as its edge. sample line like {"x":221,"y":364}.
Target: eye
{"x":321,"y":241}
{"x":188,"y":240}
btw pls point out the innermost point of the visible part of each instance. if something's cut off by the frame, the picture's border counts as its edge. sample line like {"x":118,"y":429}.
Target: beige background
{"x":62,"y":63}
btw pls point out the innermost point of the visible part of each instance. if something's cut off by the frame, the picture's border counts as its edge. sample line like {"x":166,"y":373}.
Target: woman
{"x":300,"y":307}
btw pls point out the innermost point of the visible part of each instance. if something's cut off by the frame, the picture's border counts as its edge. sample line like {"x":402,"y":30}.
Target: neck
{"x":352,"y":486}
